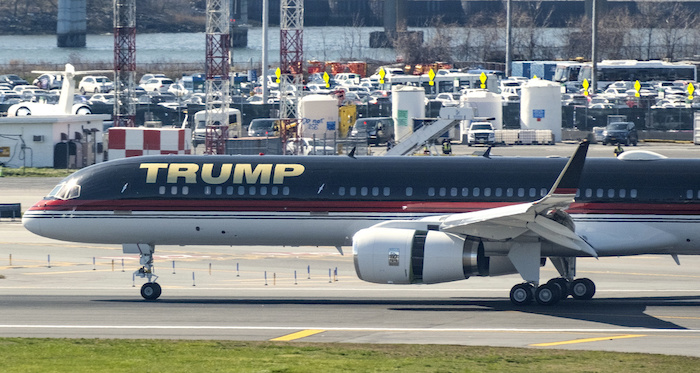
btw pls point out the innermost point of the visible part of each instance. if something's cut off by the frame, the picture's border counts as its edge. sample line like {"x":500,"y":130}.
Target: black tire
{"x":548,"y":294}
{"x":582,"y":289}
{"x":564,"y":286}
{"x":521,"y":294}
{"x":150,"y":291}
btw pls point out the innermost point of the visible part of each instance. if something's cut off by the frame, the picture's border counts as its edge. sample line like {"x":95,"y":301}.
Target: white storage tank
{"x":407,"y":103}
{"x":485,"y":104}
{"x":540,"y":107}
{"x":318,"y":116}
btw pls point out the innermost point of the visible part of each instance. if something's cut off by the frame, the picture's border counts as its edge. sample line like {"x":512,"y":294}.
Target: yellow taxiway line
{"x":587,"y":340}
{"x":297,"y":335}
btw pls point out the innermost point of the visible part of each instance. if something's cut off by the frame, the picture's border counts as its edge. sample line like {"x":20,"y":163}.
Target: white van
{"x":200,"y":125}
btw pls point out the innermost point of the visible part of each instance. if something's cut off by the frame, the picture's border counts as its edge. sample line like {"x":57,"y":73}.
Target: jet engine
{"x":406,"y":256}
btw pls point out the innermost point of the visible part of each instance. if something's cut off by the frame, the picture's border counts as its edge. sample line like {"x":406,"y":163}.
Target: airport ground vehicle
{"x":620,"y":133}
{"x":263,"y":127}
{"x":199,"y":132}
{"x":481,"y":133}
{"x":378,"y":130}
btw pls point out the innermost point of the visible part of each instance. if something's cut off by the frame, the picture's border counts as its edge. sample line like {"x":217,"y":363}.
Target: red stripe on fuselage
{"x":350,"y":206}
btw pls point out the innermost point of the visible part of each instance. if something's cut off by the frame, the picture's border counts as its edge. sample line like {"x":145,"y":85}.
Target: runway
{"x":57,"y":289}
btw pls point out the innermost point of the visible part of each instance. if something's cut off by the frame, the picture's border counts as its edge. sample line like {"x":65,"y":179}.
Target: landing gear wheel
{"x":521,"y":294}
{"x":564,"y":286}
{"x":150,"y":291}
{"x":582,"y":289}
{"x":548,"y":294}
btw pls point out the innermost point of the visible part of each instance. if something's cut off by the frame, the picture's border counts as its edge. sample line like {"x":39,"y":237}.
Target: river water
{"x":322,"y":43}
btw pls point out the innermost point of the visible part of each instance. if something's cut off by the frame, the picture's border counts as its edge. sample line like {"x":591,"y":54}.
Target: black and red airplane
{"x":408,"y":219}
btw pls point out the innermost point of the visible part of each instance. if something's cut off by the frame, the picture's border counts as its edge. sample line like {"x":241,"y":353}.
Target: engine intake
{"x":405,"y":256}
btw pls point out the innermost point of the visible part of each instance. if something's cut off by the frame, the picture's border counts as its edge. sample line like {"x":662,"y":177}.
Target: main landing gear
{"x":150,"y":290}
{"x":552,"y":292}
{"x":555,"y":289}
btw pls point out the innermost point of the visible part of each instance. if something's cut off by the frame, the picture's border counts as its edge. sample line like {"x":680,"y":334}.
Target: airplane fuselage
{"x":621,"y":208}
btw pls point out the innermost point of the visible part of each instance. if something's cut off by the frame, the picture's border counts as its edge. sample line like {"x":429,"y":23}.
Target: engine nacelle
{"x":406,"y":256}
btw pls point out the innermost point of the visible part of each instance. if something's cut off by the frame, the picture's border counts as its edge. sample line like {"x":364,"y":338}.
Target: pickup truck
{"x":481,"y":133}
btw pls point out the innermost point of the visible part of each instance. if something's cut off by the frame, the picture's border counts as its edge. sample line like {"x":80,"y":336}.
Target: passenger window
{"x":251,"y":190}
{"x":275,"y":190}
{"x":375,"y":191}
{"x":611,"y":193}
{"x":521,"y":192}
{"x":263,"y":190}
{"x":285,"y":191}
{"x":509,"y":192}
{"x":633,"y":193}
{"x":453,"y":192}
{"x":543,"y":192}
{"x":431,"y":192}
{"x":622,"y":193}
{"x":689,"y":194}
{"x":161,"y":190}
{"x":533,"y":192}
{"x":443,"y":192}
{"x":409,"y":191}
{"x":218,"y":190}
{"x":241,"y":190}
{"x":185,"y":190}
{"x":341,"y":191}
{"x":589,"y":193}
{"x":363,"y":191}
{"x":499,"y":192}
{"x":578,"y":193}
{"x":173,"y":190}
{"x":387,"y":191}
{"x":476,"y":192}
{"x":229,"y":190}
{"x":465,"y":192}
{"x":599,"y":193}
{"x":487,"y":192}
{"x":353,"y":191}
{"x":207,"y":190}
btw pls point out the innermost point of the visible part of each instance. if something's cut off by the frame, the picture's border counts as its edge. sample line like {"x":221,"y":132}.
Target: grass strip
{"x":122,"y":355}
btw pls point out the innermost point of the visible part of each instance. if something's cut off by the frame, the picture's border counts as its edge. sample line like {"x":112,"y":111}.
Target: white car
{"x":157,"y":85}
{"x":448,"y":99}
{"x":147,"y":77}
{"x":178,"y":90}
{"x":95,"y":84}
{"x":309,"y":146}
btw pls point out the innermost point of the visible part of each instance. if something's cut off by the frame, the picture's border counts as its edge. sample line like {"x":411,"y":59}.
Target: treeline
{"x":665,"y":30}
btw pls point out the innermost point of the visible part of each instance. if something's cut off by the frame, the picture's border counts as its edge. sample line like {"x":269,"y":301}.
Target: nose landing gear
{"x":150,"y":290}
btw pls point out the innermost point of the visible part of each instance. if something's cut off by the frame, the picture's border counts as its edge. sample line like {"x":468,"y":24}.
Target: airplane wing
{"x":508,"y":222}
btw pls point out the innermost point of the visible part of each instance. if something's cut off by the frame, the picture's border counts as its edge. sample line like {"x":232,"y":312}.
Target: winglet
{"x":568,"y":180}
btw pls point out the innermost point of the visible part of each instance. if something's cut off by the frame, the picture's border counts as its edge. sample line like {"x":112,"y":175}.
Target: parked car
{"x":448,"y":99}
{"x":157,"y":84}
{"x":95,"y":84}
{"x":620,"y":133}
{"x":147,"y":77}
{"x":12,"y":80}
{"x":49,"y":81}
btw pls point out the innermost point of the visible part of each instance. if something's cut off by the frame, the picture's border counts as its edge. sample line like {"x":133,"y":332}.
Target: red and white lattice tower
{"x":217,"y":80}
{"x":291,"y":56}
{"x":124,"y":62}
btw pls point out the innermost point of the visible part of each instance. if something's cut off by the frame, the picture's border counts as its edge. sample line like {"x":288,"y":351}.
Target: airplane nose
{"x":32,"y":223}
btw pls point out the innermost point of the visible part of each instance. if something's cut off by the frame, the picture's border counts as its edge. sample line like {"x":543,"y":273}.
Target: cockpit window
{"x":66,"y":190}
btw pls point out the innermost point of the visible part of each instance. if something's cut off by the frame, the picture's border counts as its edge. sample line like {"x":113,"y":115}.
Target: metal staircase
{"x":449,"y":117}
